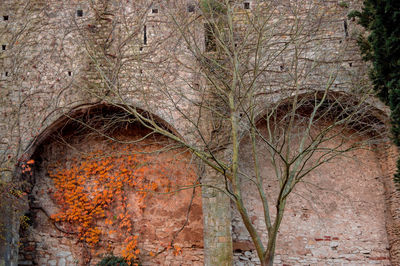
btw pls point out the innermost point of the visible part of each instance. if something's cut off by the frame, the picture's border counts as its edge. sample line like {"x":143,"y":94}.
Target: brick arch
{"x":321,"y":227}
{"x":57,"y":122}
{"x":158,"y":219}
{"x":378,"y":110}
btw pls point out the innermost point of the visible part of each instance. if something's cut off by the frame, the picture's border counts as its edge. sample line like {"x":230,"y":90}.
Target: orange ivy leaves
{"x":99,"y":187}
{"x":130,"y":251}
{"x":101,"y":193}
{"x":26,"y":167}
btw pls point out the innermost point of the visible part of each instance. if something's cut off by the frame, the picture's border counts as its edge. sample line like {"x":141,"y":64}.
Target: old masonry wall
{"x":133,"y":200}
{"x":55,"y":57}
{"x":336,"y":215}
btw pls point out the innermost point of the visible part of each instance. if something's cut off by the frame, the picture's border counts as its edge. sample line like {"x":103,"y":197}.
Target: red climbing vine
{"x":96,"y":191}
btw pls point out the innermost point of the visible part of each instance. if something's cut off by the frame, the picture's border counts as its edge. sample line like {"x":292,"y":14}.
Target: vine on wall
{"x":101,"y":192}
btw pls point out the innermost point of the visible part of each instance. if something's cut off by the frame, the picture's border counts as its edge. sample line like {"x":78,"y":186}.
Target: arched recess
{"x":104,"y":184}
{"x":340,"y":213}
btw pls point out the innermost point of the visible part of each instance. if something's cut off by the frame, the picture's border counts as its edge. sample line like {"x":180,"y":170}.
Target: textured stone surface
{"x":388,"y":155}
{"x":217,"y":216}
{"x":157,"y":224}
{"x":57,"y":59}
{"x":336,"y":215}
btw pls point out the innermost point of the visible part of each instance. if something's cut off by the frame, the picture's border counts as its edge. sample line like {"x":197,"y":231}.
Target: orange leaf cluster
{"x":96,"y":187}
{"x":26,"y":167}
{"x":130,"y":252}
{"x":177,"y":250}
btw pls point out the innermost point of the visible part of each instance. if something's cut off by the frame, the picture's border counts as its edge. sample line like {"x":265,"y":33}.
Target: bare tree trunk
{"x":269,"y":256}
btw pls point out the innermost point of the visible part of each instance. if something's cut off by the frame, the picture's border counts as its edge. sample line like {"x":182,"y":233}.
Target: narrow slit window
{"x":6,"y":74}
{"x":154,"y":10}
{"x":5,"y":17}
{"x":70,"y":73}
{"x":346,"y":33}
{"x":209,"y":37}
{"x":144,"y":35}
{"x":246,"y":5}
{"x":3,"y":47}
{"x":79,"y":13}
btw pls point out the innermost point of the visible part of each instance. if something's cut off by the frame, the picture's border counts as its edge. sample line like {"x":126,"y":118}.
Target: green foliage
{"x":365,"y":48}
{"x":112,"y":260}
{"x":212,"y":7}
{"x":381,"y":18}
{"x":344,"y":4}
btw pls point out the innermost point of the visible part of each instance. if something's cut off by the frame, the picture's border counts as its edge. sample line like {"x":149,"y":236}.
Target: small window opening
{"x":154,"y":10}
{"x":70,"y":73}
{"x":6,"y":74}
{"x":144,"y":35}
{"x":191,"y":8}
{"x":5,"y":17}
{"x":350,"y":64}
{"x":346,"y":32}
{"x":79,"y":13}
{"x":246,"y":5}
{"x":209,"y":37}
{"x":3,"y":47}
{"x":140,"y":48}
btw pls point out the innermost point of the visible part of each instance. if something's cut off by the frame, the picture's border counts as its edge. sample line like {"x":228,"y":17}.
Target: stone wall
{"x":335,"y":216}
{"x":217,"y":219}
{"x":167,"y":222}
{"x":58,"y":59}
{"x":387,"y":157}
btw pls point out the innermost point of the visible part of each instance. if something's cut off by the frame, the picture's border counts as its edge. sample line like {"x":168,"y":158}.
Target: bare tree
{"x":272,"y":72}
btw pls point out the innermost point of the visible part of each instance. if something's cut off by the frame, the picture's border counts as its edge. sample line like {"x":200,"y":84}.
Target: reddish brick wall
{"x":388,"y":154}
{"x":156,"y":224}
{"x":335,"y":216}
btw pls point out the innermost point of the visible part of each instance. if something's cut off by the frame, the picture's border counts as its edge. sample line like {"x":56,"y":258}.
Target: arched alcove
{"x":337,"y":214}
{"x":104,"y":184}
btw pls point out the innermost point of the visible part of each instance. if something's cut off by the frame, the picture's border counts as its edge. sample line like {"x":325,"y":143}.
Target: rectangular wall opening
{"x":144,"y":35}
{"x":209,"y":37}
